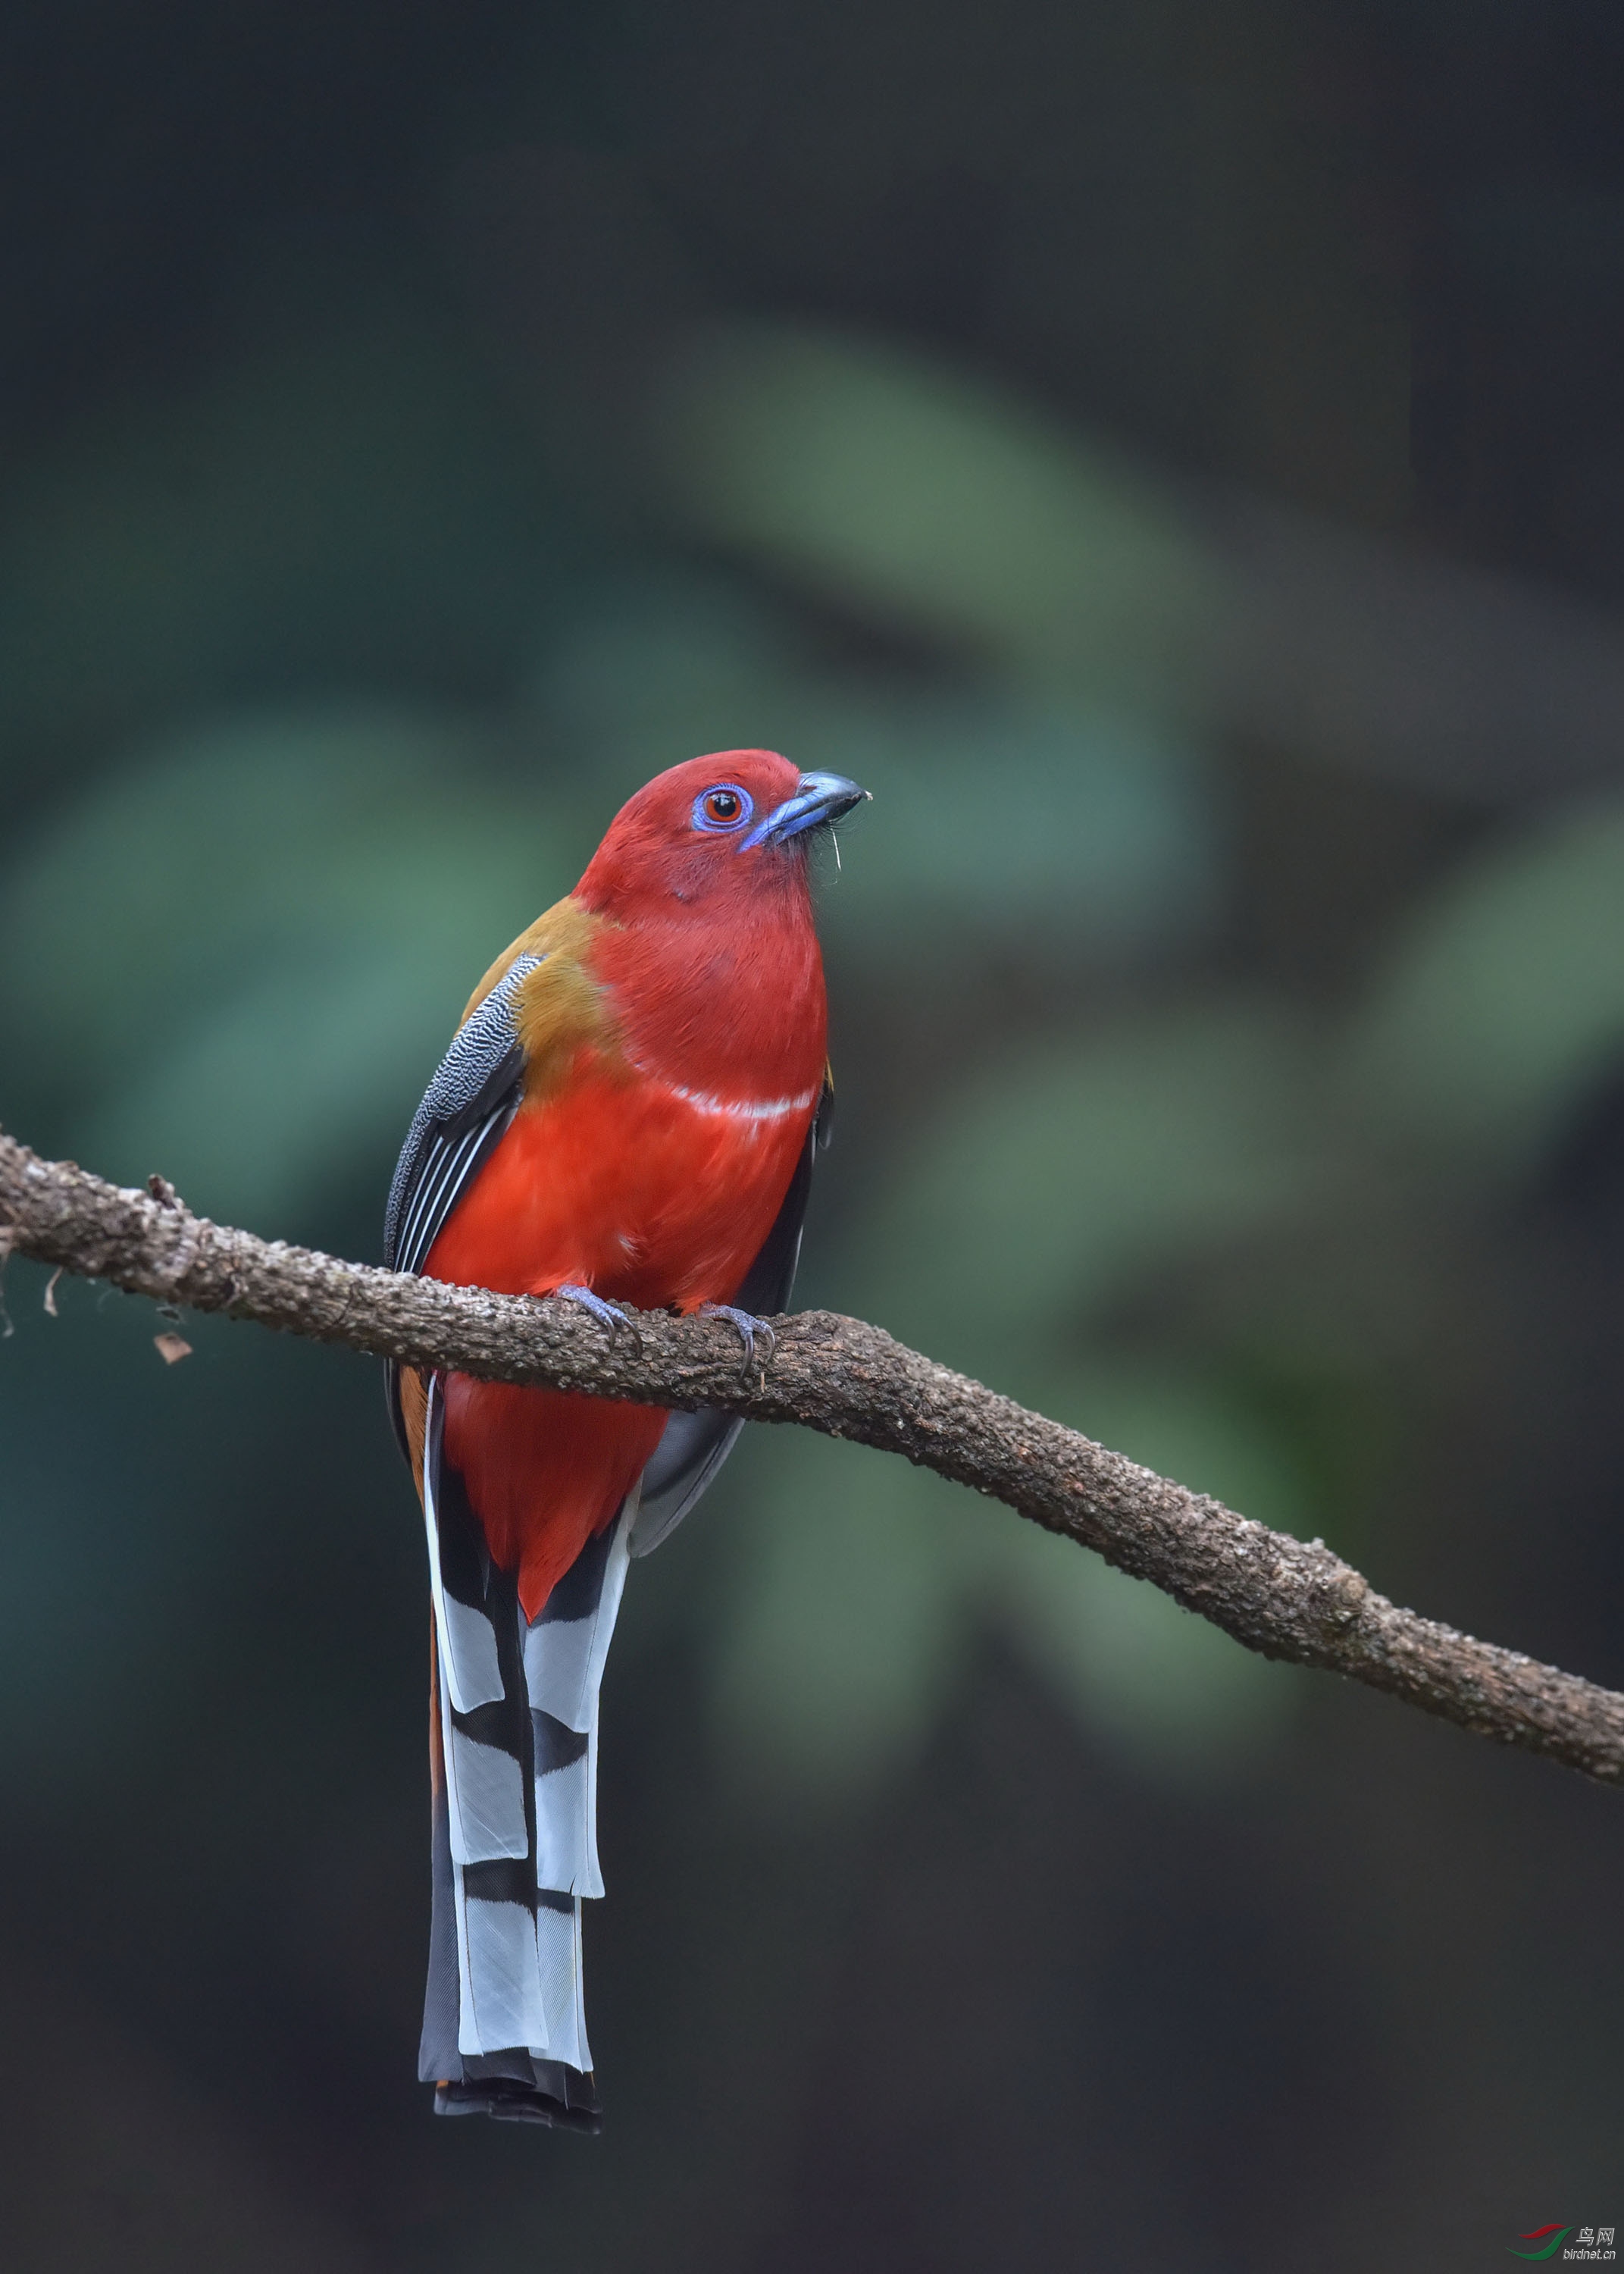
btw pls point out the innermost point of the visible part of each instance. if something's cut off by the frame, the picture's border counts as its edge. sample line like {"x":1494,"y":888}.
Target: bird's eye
{"x":724,"y":807}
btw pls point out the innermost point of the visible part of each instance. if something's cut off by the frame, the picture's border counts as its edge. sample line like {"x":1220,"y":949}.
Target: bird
{"x":627,"y":1115}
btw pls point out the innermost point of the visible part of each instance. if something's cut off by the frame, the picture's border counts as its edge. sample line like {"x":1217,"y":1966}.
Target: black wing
{"x":694,"y":1445}
{"x":465,"y":1113}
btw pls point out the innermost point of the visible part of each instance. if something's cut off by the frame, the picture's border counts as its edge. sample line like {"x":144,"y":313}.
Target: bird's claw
{"x":747,"y":1328}
{"x":607,"y":1315}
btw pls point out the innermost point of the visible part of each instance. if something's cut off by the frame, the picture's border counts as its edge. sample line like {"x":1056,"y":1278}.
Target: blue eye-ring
{"x":723,"y":806}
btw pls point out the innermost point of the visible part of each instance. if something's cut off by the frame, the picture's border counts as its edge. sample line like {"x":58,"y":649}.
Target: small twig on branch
{"x":1272,"y":1592}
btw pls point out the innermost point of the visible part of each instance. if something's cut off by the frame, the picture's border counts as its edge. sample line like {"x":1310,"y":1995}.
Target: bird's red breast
{"x":674,"y":1040}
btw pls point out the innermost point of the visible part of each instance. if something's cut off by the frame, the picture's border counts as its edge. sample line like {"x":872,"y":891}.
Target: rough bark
{"x":1275,"y":1594}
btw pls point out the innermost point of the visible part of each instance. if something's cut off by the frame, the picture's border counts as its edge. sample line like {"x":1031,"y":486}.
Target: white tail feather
{"x":519,"y":1970}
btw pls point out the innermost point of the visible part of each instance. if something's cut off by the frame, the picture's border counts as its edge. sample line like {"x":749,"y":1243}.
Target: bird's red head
{"x":711,"y":832}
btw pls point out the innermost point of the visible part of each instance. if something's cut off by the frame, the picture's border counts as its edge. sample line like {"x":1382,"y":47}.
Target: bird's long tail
{"x":513,"y":1746}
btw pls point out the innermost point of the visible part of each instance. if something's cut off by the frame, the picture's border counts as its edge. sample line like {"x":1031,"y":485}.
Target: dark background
{"x":1173,"y":453}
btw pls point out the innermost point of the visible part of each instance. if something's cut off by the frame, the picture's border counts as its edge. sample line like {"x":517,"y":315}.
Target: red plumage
{"x":675,"y":1052}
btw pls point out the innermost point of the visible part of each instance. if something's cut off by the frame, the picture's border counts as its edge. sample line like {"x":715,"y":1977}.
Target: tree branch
{"x":1272,"y":1592}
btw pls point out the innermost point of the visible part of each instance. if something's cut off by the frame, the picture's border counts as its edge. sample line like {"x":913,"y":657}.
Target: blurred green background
{"x":1173,"y":455}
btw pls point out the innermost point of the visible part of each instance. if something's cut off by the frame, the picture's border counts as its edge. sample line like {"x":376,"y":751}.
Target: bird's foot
{"x":747,"y":1328}
{"x":607,"y":1315}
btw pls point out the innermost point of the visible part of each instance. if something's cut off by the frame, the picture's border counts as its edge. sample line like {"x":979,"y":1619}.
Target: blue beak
{"x":819,"y":798}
